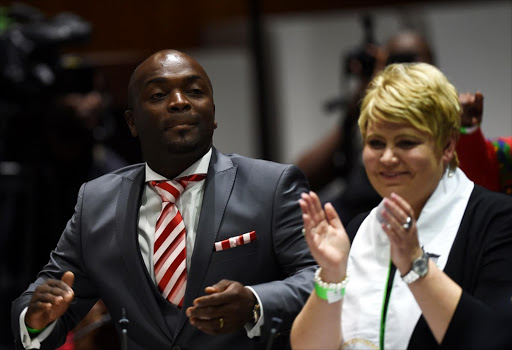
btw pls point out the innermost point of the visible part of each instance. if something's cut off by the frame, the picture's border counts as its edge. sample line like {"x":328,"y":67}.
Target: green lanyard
{"x":385,"y":303}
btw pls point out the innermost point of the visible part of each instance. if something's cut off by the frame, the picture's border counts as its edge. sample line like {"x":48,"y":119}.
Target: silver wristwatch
{"x":419,"y":269}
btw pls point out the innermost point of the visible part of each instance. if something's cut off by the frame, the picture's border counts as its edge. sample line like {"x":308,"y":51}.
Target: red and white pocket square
{"x":235,"y":241}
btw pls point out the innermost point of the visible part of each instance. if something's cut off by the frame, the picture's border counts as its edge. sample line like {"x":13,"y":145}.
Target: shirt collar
{"x":199,"y":167}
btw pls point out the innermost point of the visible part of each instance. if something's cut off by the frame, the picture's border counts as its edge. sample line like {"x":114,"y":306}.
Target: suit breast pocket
{"x":239,"y":252}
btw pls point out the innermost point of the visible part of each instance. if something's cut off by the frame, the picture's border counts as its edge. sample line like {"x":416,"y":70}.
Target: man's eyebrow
{"x":158,"y":80}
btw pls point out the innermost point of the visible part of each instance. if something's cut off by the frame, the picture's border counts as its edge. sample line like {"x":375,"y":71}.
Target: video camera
{"x":360,"y":54}
{"x":29,"y":50}
{"x":358,"y":63}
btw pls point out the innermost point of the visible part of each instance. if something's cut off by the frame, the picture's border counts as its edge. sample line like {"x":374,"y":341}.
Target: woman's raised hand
{"x":326,"y":237}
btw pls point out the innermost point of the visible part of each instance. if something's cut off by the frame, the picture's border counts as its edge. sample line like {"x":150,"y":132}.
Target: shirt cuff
{"x":29,"y":342}
{"x":254,"y":330}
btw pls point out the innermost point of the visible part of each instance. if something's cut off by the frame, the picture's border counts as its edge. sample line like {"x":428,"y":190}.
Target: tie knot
{"x":190,"y":179}
{"x":171,"y":190}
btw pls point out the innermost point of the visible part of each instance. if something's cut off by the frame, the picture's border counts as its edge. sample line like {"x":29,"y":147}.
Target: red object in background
{"x":69,"y":344}
{"x":478,"y":160}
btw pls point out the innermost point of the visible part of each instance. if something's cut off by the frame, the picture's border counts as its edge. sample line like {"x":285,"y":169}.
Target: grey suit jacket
{"x":100,"y":246}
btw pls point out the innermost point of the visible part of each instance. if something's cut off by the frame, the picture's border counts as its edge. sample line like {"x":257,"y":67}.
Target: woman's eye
{"x":376,"y":144}
{"x":407,"y":144}
{"x":196,"y":91}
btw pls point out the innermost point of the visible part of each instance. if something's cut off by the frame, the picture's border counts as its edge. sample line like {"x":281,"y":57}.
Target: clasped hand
{"x":405,"y":246}
{"x":226,"y":308}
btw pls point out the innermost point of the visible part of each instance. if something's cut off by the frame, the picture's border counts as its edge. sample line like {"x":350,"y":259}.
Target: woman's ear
{"x":449,"y":148}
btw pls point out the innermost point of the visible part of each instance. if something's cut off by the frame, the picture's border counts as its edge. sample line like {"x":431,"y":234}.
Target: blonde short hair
{"x":417,"y":94}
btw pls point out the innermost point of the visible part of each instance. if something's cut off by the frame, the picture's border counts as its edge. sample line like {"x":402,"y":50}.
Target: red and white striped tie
{"x":169,"y":252}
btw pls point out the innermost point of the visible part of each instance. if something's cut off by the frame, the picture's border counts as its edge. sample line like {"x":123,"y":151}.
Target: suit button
{"x":176,"y":347}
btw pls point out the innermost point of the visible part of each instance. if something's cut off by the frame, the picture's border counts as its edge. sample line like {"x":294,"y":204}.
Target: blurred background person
{"x":488,"y":162}
{"x":338,"y":155}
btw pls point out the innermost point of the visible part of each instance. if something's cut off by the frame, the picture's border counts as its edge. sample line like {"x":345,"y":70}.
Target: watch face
{"x":420,"y":265}
{"x":419,"y":269}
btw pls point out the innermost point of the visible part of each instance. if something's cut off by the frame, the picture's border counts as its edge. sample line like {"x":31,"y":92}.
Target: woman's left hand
{"x":400,"y":227}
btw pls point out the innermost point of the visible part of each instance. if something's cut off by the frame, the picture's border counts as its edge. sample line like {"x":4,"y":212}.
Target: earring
{"x":450,"y":173}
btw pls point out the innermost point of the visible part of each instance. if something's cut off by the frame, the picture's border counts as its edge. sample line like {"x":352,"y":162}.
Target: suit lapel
{"x":218,"y":186}
{"x":127,"y":213}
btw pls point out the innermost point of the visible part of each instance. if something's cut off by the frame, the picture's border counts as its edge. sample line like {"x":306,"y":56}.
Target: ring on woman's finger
{"x":221,"y":323}
{"x":407,"y":224}
{"x":313,"y":231}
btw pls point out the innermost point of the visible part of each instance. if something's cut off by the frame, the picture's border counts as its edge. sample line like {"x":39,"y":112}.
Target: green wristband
{"x":332,"y":292}
{"x":331,"y":295}
{"x":33,"y":330}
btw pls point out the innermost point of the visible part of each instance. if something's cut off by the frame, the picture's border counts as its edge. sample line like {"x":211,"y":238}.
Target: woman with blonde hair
{"x":430,"y":267}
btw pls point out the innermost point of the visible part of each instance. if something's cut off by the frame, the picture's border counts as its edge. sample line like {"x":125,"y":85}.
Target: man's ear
{"x":215,"y":120}
{"x":128,"y":116}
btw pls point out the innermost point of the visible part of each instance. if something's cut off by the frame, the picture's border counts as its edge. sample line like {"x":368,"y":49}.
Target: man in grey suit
{"x":247,"y":262}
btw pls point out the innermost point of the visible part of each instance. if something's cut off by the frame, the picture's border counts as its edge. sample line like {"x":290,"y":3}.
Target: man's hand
{"x":227,"y":308}
{"x":49,"y":301}
{"x":472,"y":109}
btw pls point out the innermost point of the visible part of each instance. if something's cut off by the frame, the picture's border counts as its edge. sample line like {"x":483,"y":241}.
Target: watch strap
{"x":410,"y":277}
